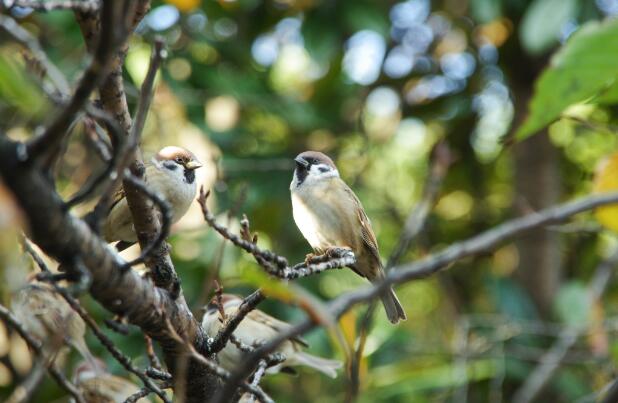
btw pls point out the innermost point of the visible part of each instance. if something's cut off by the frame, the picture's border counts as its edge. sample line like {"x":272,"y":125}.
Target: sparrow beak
{"x":301,"y":161}
{"x":193,"y":164}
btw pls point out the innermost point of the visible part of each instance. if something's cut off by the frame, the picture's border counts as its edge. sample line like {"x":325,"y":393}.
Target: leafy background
{"x":248,"y":84}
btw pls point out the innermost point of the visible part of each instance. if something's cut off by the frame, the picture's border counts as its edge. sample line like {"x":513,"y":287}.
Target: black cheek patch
{"x":189,"y":176}
{"x":301,"y":174}
{"x":323,"y":169}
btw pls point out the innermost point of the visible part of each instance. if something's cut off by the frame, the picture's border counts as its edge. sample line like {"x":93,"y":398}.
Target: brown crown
{"x":316,"y":157}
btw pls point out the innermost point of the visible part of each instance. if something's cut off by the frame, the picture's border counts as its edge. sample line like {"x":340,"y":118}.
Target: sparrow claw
{"x":309,"y":258}
{"x":337,"y":252}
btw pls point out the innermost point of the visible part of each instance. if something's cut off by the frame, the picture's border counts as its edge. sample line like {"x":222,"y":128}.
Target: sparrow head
{"x":178,"y":160}
{"x":313,"y":166}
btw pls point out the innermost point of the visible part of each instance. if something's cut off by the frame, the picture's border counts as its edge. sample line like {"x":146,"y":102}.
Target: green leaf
{"x":543,"y":22}
{"x":573,"y":304}
{"x":585,"y":66}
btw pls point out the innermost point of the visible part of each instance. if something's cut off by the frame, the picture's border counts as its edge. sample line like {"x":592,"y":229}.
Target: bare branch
{"x":218,"y":371}
{"x":84,"y":6}
{"x":94,"y":74}
{"x":222,"y":337}
{"x":35,"y":345}
{"x":114,"y":164}
{"x":152,"y":355}
{"x":145,"y":392}
{"x":24,"y":391}
{"x":166,"y":215}
{"x":108,"y":343}
{"x":28,"y":41}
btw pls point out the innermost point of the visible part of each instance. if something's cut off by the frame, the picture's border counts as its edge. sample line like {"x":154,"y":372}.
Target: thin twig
{"x":216,"y":370}
{"x":24,"y":391}
{"x":28,"y":41}
{"x":107,"y":342}
{"x":113,"y":165}
{"x":85,"y":6}
{"x":155,"y":373}
{"x":94,"y":74}
{"x":257,"y":377}
{"x":143,"y":392}
{"x":117,"y":164}
{"x":166,"y":215}
{"x":222,"y":337}
{"x":152,"y":355}
{"x":35,"y":345}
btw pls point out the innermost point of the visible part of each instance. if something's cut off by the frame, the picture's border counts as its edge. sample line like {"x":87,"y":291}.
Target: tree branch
{"x":35,"y":345}
{"x":94,"y":74}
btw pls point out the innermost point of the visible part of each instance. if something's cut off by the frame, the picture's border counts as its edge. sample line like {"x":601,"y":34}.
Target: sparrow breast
{"x":323,"y":216}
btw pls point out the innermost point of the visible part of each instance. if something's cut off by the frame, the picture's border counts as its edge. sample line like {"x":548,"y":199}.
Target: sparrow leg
{"x":335,"y":252}
{"x":309,"y":258}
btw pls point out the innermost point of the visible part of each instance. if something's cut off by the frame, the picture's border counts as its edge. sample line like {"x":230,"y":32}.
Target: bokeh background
{"x":248,"y":84}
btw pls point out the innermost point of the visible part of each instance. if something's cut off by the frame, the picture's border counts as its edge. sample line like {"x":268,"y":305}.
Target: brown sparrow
{"x":257,"y":328}
{"x":329,"y":215}
{"x":51,"y":320}
{"x":171,"y":173}
{"x":99,"y":386}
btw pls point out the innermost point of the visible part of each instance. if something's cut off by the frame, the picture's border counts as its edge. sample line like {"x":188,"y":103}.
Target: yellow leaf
{"x":184,"y":5}
{"x":348,"y":328}
{"x":606,"y":180}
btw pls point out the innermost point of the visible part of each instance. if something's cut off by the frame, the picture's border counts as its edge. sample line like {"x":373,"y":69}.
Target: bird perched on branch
{"x":255,"y":329}
{"x":99,"y":386}
{"x":329,"y":215}
{"x":171,"y":174}
{"x":51,"y":320}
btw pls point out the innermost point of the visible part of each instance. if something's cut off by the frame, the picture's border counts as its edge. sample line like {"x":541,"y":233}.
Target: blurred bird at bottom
{"x":256,"y":328}
{"x":51,"y":320}
{"x":99,"y":386}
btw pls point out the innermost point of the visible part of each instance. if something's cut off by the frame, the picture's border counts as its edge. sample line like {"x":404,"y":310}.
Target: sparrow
{"x":255,"y":329}
{"x":51,"y":320}
{"x":99,"y":386}
{"x":329,"y":215}
{"x":171,"y":174}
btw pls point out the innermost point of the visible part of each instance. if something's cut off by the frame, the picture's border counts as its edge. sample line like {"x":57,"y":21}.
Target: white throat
{"x":315,"y":175}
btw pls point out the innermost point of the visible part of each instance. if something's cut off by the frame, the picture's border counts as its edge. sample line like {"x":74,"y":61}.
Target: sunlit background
{"x":248,"y":84}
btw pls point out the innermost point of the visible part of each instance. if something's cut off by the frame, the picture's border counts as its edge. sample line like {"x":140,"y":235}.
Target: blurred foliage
{"x":375,"y":84}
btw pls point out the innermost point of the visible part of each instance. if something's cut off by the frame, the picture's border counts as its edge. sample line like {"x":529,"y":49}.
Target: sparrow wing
{"x":275,"y":324}
{"x":369,"y":238}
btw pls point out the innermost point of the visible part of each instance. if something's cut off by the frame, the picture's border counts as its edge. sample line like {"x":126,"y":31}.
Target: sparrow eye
{"x":178,"y":160}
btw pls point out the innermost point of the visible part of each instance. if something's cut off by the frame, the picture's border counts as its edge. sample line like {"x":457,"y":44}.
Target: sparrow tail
{"x":325,"y":366}
{"x":392,"y":306}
